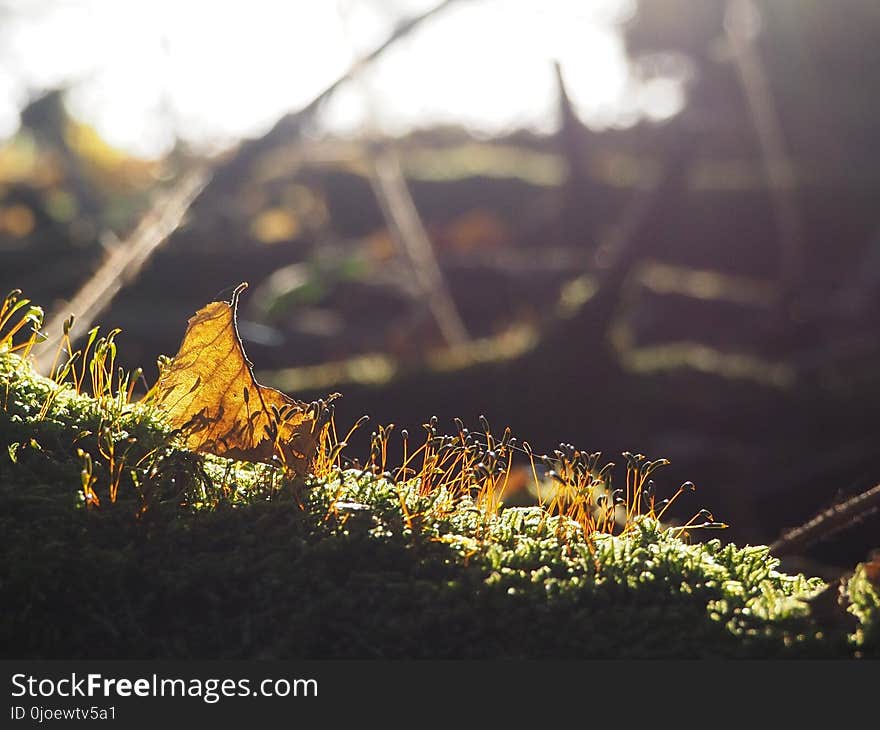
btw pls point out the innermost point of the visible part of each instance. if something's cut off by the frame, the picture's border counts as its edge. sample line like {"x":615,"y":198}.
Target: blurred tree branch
{"x":290,"y":124}
{"x":124,"y":263}
{"x":739,"y":24}
{"x":407,"y":229}
{"x":404,"y":223}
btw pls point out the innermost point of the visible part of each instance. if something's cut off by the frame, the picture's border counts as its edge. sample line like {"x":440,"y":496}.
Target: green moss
{"x":202,"y":557}
{"x":864,"y":604}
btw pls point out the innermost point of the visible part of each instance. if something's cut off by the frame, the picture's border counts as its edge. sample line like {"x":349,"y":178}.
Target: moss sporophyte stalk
{"x":119,"y":541}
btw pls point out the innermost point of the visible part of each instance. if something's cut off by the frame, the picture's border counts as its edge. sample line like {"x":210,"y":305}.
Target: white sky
{"x":214,"y":71}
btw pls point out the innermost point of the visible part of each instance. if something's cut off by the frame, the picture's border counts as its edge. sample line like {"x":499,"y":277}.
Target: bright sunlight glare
{"x":211,"y":73}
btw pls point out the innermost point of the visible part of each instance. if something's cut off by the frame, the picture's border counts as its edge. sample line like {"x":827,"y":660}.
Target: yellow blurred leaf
{"x":474,"y":230}
{"x":110,"y":167}
{"x":274,"y":225}
{"x":17,"y":220}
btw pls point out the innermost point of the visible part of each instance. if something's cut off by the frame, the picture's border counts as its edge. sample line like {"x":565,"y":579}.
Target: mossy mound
{"x":202,"y":558}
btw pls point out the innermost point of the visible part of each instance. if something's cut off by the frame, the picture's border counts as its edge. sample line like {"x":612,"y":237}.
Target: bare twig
{"x":405,"y":225}
{"x":826,"y":523}
{"x":778,"y":166}
{"x":406,"y":228}
{"x":122,"y":264}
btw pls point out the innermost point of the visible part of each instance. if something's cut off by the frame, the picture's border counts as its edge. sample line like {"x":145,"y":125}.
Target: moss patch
{"x":199,"y":557}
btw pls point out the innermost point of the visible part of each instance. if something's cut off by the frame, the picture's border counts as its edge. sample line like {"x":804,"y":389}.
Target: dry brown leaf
{"x":210,"y":394}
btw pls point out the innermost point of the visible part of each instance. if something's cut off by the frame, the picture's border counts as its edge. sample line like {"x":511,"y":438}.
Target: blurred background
{"x":645,"y":225}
